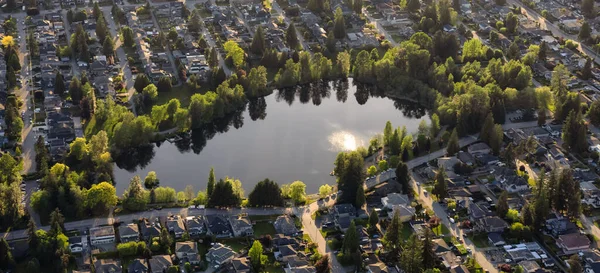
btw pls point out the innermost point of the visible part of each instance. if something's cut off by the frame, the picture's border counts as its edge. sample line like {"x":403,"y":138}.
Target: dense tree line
{"x":350,"y":172}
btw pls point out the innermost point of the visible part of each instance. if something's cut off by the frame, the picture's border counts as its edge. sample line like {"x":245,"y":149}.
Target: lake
{"x":293,"y":134}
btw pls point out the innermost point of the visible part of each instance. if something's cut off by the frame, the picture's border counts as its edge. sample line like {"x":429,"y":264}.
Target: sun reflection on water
{"x":344,"y":141}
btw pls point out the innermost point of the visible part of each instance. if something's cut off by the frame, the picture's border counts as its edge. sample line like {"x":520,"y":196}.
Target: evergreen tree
{"x":395,"y":143}
{"x":57,"y":222}
{"x":373,"y":220}
{"x":141,"y":81}
{"x":413,"y":5}
{"x":128,"y":38}
{"x":210,"y":186}
{"x":594,"y":113}
{"x":440,"y":188}
{"x":339,"y":24}
{"x":586,"y":72}
{"x":32,"y":238}
{"x":213,"y":58}
{"x":502,"y":205}
{"x":585,"y":32}
{"x":527,"y":215}
{"x":360,"y":197}
{"x":13,"y":61}
{"x":387,"y":133}
{"x":411,"y":258}
{"x":11,"y":78}
{"x":487,"y":129}
{"x":258,"y":45}
{"x":542,"y":52}
{"x":164,"y":84}
{"x":108,"y":47}
{"x":59,"y":84}
{"x":429,"y":255}
{"x":101,"y":29}
{"x":351,"y":240}
{"x":75,"y":90}
{"x":587,"y":8}
{"x":496,"y":139}
{"x":357,"y":6}
{"x":392,"y":239}
{"x":453,"y":145}
{"x":402,"y":176}
{"x":291,"y":38}
{"x":6,"y":257}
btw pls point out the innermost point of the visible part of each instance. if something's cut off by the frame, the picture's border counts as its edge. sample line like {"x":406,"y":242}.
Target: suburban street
{"x":287,"y":21}
{"x":454,"y":230}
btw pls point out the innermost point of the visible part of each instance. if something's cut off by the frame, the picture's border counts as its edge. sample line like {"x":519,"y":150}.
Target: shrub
{"x":131,"y":249}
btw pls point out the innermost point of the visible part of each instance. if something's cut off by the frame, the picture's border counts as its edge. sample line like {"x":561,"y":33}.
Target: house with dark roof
{"x":284,"y":251}
{"x":175,"y":225}
{"x":496,"y":239}
{"x":138,"y":266}
{"x":187,"y":252}
{"x":459,"y":269}
{"x":343,"y":222}
{"x":218,"y":225}
{"x":108,"y":266}
{"x":573,"y":243}
{"x":160,"y":263}
{"x":285,"y":225}
{"x":478,"y":149}
{"x":395,"y":199}
{"x":220,"y":254}
{"x":196,"y":225}
{"x":561,"y":226}
{"x":440,"y":246}
{"x":241,"y":226}
{"x":282,"y":240}
{"x":129,"y":232}
{"x":241,"y":265}
{"x":377,"y":268}
{"x":149,"y":229}
{"x":491,"y":224}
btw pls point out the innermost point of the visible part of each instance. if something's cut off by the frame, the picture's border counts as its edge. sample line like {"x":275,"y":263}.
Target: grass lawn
{"x":236,"y":244}
{"x":263,"y":217}
{"x":461,"y":249}
{"x":263,"y":228}
{"x":182,"y":93}
{"x":479,"y":240}
{"x":440,"y":230}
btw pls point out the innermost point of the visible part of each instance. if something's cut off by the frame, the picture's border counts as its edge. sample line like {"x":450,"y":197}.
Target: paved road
{"x":311,"y":228}
{"x":441,"y":213}
{"x":123,"y":65}
{"x":380,"y":28}
{"x":556,"y":31}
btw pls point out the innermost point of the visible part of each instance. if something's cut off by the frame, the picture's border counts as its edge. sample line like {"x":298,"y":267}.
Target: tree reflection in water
{"x":196,"y":139}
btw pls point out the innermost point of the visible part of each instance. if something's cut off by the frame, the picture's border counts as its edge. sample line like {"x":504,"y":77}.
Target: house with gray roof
{"x":492,"y":224}
{"x":241,"y":265}
{"x":175,"y":225}
{"x":220,"y":254}
{"x":285,"y":225}
{"x":129,"y":232}
{"x":285,"y":251}
{"x":149,"y":229}
{"x":241,"y":226}
{"x":108,"y":266}
{"x":196,"y":225}
{"x":102,"y":235}
{"x":160,"y":263}
{"x":187,"y":252}
{"x":138,"y":266}
{"x":394,"y":199}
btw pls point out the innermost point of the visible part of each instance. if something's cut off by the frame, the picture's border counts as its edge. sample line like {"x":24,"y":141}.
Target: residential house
{"x":285,"y":225}
{"x":496,"y":239}
{"x":220,"y":254}
{"x":479,"y":149}
{"x":395,"y":199}
{"x":149,"y":229}
{"x":476,"y":211}
{"x":218,"y":225}
{"x":196,"y":225}
{"x":440,"y":246}
{"x":282,"y":240}
{"x":129,"y":232}
{"x":160,"y":263}
{"x":561,"y":226}
{"x":241,"y":226}
{"x":284,"y":252}
{"x":138,"y":266}
{"x":530,"y":266}
{"x":459,"y":269}
{"x":343,"y":222}
{"x":377,"y":268}
{"x":102,"y":235}
{"x":108,"y":266}
{"x":406,"y":212}
{"x":466,"y":158}
{"x":344,"y":214}
{"x":573,"y":243}
{"x":241,"y":265}
{"x":175,"y":225}
{"x":492,"y":224}
{"x":187,"y":252}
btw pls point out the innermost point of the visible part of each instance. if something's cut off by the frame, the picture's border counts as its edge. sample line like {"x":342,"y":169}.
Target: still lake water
{"x":287,"y":136}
